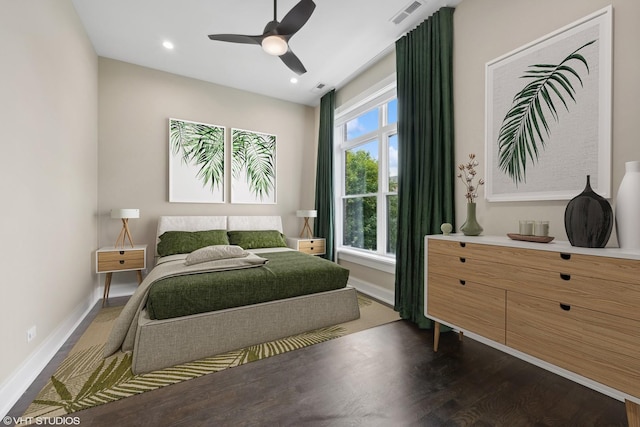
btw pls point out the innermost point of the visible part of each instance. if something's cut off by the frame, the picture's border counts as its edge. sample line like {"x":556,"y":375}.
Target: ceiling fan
{"x":275,"y":37}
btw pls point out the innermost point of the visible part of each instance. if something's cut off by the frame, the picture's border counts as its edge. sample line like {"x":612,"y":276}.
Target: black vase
{"x":588,"y":219}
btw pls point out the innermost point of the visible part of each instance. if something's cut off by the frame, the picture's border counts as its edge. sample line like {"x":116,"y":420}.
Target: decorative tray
{"x":537,"y":239}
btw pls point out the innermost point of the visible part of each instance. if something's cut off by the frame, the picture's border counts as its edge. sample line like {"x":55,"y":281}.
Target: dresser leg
{"x":107,"y":285}
{"x":460,"y":336}
{"x":139,"y":273}
{"x":436,"y":335}
{"x":633,"y":413}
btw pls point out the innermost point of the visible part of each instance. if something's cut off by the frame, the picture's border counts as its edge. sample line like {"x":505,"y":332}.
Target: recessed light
{"x":293,"y":80}
{"x":167,"y":44}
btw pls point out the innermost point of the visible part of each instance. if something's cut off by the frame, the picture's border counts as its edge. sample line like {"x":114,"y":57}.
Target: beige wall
{"x":135,"y":105}
{"x":48,"y":178}
{"x":486,"y":29}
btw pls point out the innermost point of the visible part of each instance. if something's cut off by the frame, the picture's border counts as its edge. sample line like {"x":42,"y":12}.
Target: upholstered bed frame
{"x":163,"y":343}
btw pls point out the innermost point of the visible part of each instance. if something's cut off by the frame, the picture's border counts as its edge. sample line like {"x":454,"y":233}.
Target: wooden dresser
{"x":574,"y":311}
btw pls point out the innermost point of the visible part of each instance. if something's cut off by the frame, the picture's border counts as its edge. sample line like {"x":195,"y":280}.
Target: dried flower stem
{"x":467,"y":174}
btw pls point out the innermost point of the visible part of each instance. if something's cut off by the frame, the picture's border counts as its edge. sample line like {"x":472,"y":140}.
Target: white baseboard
{"x":385,"y":295}
{"x":13,"y":388}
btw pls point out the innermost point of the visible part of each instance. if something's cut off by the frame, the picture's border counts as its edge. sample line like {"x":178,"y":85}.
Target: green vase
{"x":471,"y":226}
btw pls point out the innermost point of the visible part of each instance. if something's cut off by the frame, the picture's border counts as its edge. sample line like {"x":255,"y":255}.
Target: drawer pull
{"x":463,"y":244}
{"x":565,"y":276}
{"x":121,"y":261}
{"x":462,"y":282}
{"x":565,"y":256}
{"x":565,"y":307}
{"x":311,"y":248}
{"x":463,"y":259}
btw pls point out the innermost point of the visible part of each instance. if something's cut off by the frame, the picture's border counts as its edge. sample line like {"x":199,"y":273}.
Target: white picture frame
{"x":197,"y":157}
{"x":577,"y":142}
{"x":253,"y":167}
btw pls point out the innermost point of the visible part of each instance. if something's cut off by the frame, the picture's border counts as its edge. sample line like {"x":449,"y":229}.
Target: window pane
{"x":392,"y":111}
{"x":392,"y":223}
{"x":361,"y":169}
{"x":360,"y":223}
{"x":363,"y":124}
{"x":393,"y":163}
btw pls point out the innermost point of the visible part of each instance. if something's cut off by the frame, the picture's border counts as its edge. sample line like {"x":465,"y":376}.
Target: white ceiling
{"x":341,"y":39}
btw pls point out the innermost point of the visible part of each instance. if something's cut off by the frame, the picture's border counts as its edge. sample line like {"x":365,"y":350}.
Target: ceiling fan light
{"x":275,"y":45}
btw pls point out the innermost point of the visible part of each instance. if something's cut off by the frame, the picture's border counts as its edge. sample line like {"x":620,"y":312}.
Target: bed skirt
{"x":163,"y":343}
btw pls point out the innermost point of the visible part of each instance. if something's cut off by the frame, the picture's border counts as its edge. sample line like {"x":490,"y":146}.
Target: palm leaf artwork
{"x":523,"y":125}
{"x":200,"y":145}
{"x":254,"y":154}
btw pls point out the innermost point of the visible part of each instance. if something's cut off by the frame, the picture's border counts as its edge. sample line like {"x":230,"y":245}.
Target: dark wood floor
{"x":385,"y":376}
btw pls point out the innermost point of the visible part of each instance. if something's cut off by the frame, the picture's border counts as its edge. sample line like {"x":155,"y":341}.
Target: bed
{"x":182,"y":313}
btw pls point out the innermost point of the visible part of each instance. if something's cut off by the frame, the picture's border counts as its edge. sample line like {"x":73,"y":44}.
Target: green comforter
{"x":287,"y":274}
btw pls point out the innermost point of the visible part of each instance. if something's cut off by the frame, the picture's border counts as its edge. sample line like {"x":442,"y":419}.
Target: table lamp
{"x":306,"y":214}
{"x":124,"y":215}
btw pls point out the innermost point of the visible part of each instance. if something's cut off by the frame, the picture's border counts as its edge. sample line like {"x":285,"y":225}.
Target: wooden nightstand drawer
{"x":312,"y":246}
{"x":116,"y":260}
{"x":315,"y":246}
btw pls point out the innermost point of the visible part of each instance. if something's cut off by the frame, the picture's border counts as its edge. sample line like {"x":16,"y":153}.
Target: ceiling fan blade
{"x":237,"y":38}
{"x":296,"y":18}
{"x":292,"y":61}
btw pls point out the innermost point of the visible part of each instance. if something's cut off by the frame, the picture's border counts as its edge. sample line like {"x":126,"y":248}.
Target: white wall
{"x":135,"y":105}
{"x":48,"y":177}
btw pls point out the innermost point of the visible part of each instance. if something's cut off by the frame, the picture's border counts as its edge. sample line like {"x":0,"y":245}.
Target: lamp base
{"x":306,"y":229}
{"x":124,"y":233}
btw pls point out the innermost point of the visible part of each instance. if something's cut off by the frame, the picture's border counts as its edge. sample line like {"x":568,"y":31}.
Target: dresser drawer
{"x":468,"y":305}
{"x":483,"y":272}
{"x":596,"y":345}
{"x":606,"y":268}
{"x":596,"y":294}
{"x":120,"y":260}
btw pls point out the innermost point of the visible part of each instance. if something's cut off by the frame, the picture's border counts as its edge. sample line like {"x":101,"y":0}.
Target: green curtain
{"x":323,"y":225}
{"x":424,"y":63}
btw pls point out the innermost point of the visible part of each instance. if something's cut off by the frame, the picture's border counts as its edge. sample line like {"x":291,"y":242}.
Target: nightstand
{"x":110,"y":259}
{"x":312,"y":246}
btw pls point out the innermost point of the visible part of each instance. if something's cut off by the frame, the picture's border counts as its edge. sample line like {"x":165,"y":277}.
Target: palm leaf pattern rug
{"x":86,"y":379}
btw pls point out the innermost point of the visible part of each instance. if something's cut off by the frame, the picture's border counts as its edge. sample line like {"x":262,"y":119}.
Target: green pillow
{"x":257,"y":239}
{"x":185,"y":242}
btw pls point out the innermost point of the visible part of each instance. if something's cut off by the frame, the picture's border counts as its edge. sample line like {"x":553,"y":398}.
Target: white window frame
{"x":377,"y":96}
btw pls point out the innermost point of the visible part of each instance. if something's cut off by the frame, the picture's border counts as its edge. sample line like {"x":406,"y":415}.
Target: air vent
{"x":319,"y":88}
{"x":404,"y":13}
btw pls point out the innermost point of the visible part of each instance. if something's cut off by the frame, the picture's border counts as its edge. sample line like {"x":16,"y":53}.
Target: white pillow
{"x":215,"y":252}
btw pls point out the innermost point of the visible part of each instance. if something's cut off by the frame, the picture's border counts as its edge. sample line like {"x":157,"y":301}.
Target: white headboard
{"x":190,"y":223}
{"x":203,"y":223}
{"x":256,"y":222}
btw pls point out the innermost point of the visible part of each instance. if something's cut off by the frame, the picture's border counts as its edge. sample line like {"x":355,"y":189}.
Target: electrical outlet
{"x":31,"y":333}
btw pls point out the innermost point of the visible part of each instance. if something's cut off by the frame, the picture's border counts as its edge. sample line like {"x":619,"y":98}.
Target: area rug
{"x":86,"y":379}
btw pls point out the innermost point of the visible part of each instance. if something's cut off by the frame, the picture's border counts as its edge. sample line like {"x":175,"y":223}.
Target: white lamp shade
{"x":306,"y":214}
{"x":275,"y":45}
{"x":125,"y":213}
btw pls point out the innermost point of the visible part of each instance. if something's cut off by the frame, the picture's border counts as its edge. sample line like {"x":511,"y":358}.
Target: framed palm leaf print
{"x":196,"y":162}
{"x":253,"y":167}
{"x":548,"y":115}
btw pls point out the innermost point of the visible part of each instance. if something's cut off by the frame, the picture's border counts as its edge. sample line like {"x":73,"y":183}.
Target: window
{"x":367,"y":175}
